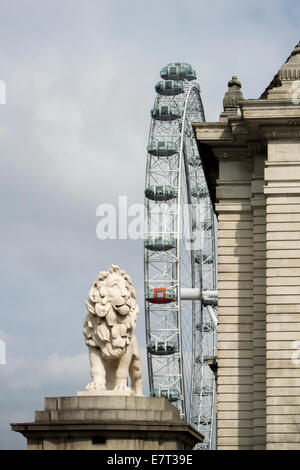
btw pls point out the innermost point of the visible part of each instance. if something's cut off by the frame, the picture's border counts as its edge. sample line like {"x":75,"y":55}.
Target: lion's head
{"x":112,"y":312}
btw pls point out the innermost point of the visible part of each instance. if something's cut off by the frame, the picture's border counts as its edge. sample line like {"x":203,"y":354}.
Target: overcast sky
{"x":80,"y":79}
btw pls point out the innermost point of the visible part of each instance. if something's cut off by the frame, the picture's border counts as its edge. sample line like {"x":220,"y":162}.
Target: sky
{"x":80,"y":79}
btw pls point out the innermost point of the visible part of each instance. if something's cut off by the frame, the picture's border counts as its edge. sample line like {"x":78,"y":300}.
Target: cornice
{"x":283,"y":132}
{"x":236,"y":155}
{"x":212,"y":131}
{"x":270,"y":109}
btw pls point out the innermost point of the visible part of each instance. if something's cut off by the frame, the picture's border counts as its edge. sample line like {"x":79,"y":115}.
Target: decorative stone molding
{"x":233,"y":96}
{"x":233,"y":155}
{"x":285,"y":84}
{"x":106,"y":423}
{"x":208,"y":132}
{"x":284,"y":133}
{"x":291,"y":70}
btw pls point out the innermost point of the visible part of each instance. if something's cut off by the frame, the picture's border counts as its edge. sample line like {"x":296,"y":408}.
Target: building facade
{"x":251,"y":159}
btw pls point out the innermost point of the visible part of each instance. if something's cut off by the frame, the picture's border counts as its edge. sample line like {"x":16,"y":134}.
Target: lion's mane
{"x":104,"y":327}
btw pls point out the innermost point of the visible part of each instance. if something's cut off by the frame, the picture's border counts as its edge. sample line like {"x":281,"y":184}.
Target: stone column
{"x":258,"y":204}
{"x":235,"y":345}
{"x":282,"y":192}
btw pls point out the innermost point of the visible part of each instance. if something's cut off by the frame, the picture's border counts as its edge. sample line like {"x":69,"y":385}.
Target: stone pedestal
{"x":108,"y":423}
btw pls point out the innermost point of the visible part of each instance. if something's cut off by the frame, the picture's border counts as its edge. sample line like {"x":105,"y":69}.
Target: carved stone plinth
{"x":108,"y":423}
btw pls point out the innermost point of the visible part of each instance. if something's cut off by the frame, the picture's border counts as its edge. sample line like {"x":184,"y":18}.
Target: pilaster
{"x":258,"y":204}
{"x":235,"y":278}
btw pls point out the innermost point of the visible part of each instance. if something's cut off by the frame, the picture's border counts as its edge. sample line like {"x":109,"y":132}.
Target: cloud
{"x":27,"y":378}
{"x":32,"y":373}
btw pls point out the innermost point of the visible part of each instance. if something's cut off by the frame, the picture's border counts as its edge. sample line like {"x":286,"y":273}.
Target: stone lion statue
{"x":109,"y":333}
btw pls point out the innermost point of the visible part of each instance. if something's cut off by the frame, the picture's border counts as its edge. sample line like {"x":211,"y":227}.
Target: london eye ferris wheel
{"x":180,"y":258}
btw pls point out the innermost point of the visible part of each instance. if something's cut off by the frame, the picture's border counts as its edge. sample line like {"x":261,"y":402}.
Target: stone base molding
{"x":108,"y":423}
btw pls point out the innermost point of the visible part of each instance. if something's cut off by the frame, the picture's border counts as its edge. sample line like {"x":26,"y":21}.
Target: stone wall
{"x":282,"y":175}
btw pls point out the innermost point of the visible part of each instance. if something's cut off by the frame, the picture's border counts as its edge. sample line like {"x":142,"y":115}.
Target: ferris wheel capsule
{"x":162,"y":348}
{"x":160,"y":295}
{"x":178,"y":71}
{"x":166,"y":113}
{"x":169,"y":87}
{"x":204,"y":391}
{"x":161,"y":193}
{"x":172,"y":395}
{"x":162,"y":148}
{"x":160,"y":243}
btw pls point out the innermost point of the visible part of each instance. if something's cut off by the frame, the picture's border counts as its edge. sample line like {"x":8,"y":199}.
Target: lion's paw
{"x":95,"y":386}
{"x":123,"y":388}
